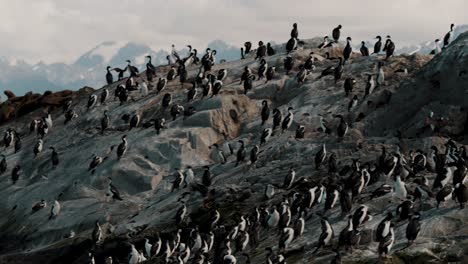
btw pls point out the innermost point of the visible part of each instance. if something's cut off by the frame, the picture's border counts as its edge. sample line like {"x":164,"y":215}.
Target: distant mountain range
{"x":90,"y":68}
{"x":428,"y":46}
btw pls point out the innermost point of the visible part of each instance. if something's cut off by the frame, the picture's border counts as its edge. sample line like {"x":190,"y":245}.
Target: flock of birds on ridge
{"x":217,"y":241}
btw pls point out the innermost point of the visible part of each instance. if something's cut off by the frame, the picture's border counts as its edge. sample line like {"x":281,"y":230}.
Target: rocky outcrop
{"x":19,"y":106}
{"x":144,"y":175}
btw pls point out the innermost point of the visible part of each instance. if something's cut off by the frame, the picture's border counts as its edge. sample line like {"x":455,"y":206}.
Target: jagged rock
{"x":9,"y":94}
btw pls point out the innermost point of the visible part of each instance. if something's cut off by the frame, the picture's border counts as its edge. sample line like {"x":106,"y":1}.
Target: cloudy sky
{"x":61,"y":30}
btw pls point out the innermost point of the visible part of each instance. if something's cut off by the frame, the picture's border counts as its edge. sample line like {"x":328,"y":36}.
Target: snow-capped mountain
{"x":89,"y":69}
{"x":428,"y":46}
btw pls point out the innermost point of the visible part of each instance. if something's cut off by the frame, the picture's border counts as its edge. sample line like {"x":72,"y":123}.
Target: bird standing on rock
{"x":448,"y":36}
{"x":336,"y":33}
{"x":122,"y":148}
{"x":364,"y":50}
{"x":347,"y":50}
{"x":241,"y":153}
{"x":320,"y":156}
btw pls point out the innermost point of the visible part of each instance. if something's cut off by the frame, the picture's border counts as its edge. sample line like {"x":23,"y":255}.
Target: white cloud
{"x":61,"y":30}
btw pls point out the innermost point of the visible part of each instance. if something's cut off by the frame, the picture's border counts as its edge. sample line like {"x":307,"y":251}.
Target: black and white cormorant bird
{"x":460,"y":194}
{"x":150,"y":69}
{"x":241,"y":153}
{"x":378,"y":45}
{"x":159,"y":123}
{"x":338,"y":72}
{"x":248,"y":83}
{"x":289,"y":179}
{"x":287,"y":121}
{"x":169,"y":61}
{"x":389,"y":48}
{"x":380,"y":74}
{"x":113,"y":191}
{"x":161,"y":84}
{"x":320,"y":156}
{"x":3,"y":164}
{"x":69,"y":115}
{"x":109,"y":77}
{"x":92,"y":101}
{"x":171,"y":74}
{"x":54,"y":158}
{"x":270,"y":74}
{"x":262,"y":70}
{"x":134,"y":121}
{"x":288,"y":64}
{"x":17,"y":143}
{"x":413,"y":228}
{"x":176,"y":110}
{"x":120,"y":72}
{"x":302,"y":74}
{"x":39,"y":205}
{"x":326,"y":236}
{"x":386,"y":244}
{"x":291,"y":45}
{"x":329,"y":70}
{"x":104,"y":95}
{"x":97,"y":160}
{"x":437,"y":49}
{"x":266,"y":134}
{"x":33,"y":125}
{"x":277,"y":117}
{"x":122,"y":148}
{"x":353,"y":103}
{"x":342,"y":127}
{"x":347,"y":50}
{"x":294,"y":31}
{"x":265,"y":113}
{"x":270,"y":50}
{"x":192,"y":93}
{"x":180,"y":215}
{"x":448,"y":36}
{"x":206,"y":178}
{"x":370,"y":85}
{"x":326,"y":43}
{"x":383,"y":228}
{"x":336,"y":33}
{"x":248,"y":47}
{"x":287,"y":236}
{"x":364,"y":50}
{"x":261,"y":50}
{"x":360,"y":216}
{"x":56,"y":208}
{"x":222,"y":74}
{"x":254,"y":154}
{"x":309,"y":63}
{"x":207,"y":89}
{"x":182,"y":74}
{"x":15,"y":173}
{"x":345,"y":233}
{"x":42,"y":129}
{"x":189,"y":111}
{"x":217,"y":85}
{"x":105,"y":121}
{"x":38,"y":147}
{"x":132,"y":69}
{"x":178,"y":180}
{"x":444,"y":194}
{"x":167,"y":99}
{"x":349,"y":85}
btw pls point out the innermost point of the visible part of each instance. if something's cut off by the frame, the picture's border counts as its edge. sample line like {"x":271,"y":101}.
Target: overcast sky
{"x":61,"y":30}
